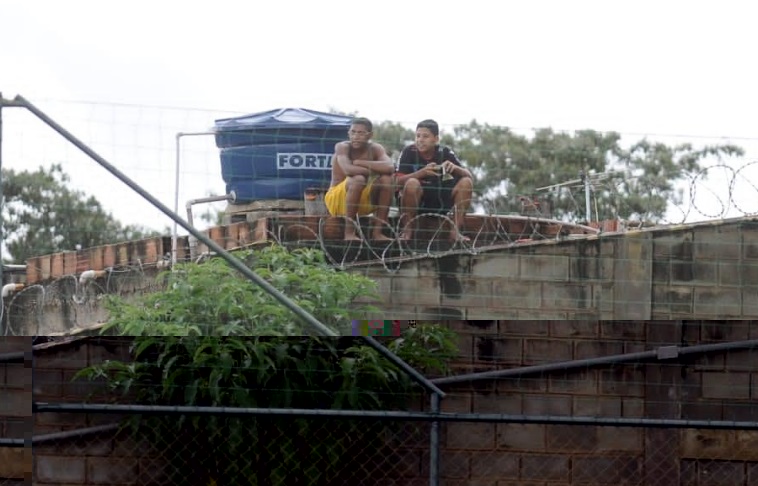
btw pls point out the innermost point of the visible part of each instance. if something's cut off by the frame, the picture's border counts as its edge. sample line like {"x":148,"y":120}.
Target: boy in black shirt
{"x":423,"y":176}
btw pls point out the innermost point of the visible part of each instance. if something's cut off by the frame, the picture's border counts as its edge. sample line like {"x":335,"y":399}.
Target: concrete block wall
{"x":713,"y":386}
{"x":15,"y":410}
{"x":110,"y":457}
{"x":702,"y":271}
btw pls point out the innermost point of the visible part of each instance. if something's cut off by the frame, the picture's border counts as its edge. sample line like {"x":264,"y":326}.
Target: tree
{"x":509,"y":165}
{"x":212,"y":339}
{"x":42,"y":215}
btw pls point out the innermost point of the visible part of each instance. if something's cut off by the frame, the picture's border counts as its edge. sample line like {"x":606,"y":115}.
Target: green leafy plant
{"x":214,"y":299}
{"x":271,"y":372}
{"x":213,"y":339}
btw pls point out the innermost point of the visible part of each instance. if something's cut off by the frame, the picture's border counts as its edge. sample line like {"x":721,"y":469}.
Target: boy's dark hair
{"x":431,"y":125}
{"x":365,"y":122}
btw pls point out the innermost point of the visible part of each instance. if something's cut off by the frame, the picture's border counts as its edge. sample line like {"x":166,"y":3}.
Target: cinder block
{"x":545,"y":267}
{"x":470,"y":436}
{"x":567,"y":296}
{"x":731,"y":385}
{"x":422,"y":291}
{"x":473,"y":292}
{"x":495,"y":465}
{"x":545,"y":467}
{"x":717,"y":243}
{"x":717,"y":302}
{"x":521,"y":437}
{"x":538,"y":351}
{"x":510,"y":294}
{"x":56,"y":470}
{"x":615,"y":469}
{"x":498,"y":265}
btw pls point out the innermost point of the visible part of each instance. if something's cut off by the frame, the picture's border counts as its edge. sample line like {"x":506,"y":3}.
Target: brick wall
{"x":15,"y":410}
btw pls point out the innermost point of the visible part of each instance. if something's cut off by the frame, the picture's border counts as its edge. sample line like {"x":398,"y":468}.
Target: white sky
{"x":641,"y":68}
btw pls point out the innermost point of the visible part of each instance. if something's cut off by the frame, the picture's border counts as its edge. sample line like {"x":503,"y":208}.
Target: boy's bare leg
{"x":381,"y":197}
{"x":461,"y":203}
{"x":409,"y":203}
{"x":355,"y":185}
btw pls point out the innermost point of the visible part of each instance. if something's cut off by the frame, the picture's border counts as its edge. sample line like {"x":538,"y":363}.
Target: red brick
{"x":33,"y":273}
{"x":82,"y":261}
{"x":109,"y":256}
{"x":44,"y":266}
{"x":96,"y":258}
{"x":69,"y":263}
{"x":56,"y":265}
{"x":122,"y":252}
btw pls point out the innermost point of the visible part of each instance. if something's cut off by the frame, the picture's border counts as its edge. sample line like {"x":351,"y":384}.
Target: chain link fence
{"x":233,"y":447}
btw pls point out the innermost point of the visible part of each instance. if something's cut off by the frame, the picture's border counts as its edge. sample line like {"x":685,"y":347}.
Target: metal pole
{"x":664,"y":352}
{"x":109,"y":408}
{"x":69,"y":434}
{"x":174,"y":233}
{"x":587,"y":187}
{"x":233,"y":261}
{"x":2,"y":205}
{"x":434,"y":444}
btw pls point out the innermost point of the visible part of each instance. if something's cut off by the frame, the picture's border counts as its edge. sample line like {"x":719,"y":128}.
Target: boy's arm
{"x":347,"y":165}
{"x":382,"y":165}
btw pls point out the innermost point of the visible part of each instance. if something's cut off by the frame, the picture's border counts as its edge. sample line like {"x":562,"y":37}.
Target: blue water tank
{"x":278,"y":154}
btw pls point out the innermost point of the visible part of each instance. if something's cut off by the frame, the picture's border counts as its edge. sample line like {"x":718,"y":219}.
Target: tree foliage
{"x":648,"y":175}
{"x":43,"y":215}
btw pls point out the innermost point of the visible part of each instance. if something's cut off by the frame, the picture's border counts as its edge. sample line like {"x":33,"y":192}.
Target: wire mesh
{"x":251,"y":451}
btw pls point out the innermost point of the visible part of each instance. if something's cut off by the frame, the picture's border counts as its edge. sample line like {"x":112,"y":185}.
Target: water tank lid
{"x":283,"y":118}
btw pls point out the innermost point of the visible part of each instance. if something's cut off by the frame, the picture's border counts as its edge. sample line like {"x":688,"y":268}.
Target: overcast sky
{"x":642,"y":68}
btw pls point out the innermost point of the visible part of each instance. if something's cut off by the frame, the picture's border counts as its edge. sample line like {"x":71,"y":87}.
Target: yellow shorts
{"x":336,"y":199}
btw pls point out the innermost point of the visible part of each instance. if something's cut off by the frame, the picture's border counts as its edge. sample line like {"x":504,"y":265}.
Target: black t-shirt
{"x":437,"y":193}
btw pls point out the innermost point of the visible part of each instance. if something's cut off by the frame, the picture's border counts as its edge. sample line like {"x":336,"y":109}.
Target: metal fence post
{"x":434,"y":443}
